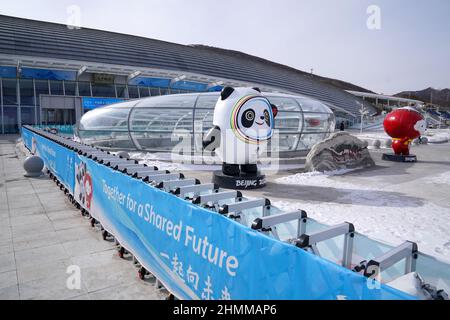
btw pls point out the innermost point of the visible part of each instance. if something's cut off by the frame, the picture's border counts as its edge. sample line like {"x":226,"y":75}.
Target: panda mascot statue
{"x":243,"y":123}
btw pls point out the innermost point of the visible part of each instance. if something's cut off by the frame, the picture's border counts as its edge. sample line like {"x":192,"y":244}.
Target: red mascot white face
{"x":88,"y":189}
{"x":404,"y":125}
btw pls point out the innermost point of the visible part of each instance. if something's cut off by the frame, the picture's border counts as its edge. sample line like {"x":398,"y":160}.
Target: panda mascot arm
{"x":211,"y":140}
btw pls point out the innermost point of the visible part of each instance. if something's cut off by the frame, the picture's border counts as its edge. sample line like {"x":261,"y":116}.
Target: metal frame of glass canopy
{"x":156,"y":124}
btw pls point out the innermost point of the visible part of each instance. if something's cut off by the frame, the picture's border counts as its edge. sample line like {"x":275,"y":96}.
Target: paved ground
{"x":42,"y":234}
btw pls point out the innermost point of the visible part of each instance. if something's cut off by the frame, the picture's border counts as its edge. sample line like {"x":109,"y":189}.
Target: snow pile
{"x":443,"y":178}
{"x":439,"y":137}
{"x":315,"y":178}
{"x":151,"y":159}
{"x":433,"y":136}
{"x":375,"y":139}
{"x":378,"y":211}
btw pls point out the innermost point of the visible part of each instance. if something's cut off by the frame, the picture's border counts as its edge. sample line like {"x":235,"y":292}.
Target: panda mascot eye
{"x":267,"y":117}
{"x":248,"y":117}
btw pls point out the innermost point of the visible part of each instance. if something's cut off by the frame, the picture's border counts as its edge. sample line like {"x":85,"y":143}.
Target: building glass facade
{"x":20,"y":97}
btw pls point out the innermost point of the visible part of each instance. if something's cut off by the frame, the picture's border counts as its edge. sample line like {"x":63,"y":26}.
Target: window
{"x":69,"y":88}
{"x":155,"y":92}
{"x":84,"y":89}
{"x":26,"y":92}
{"x":56,"y":88}
{"x":144,"y":92}
{"x":9,"y":91}
{"x":103,"y":90}
{"x":133,"y":92}
{"x":121,"y":91}
{"x":27,"y":115}
{"x":41,"y":88}
{"x":10,"y":119}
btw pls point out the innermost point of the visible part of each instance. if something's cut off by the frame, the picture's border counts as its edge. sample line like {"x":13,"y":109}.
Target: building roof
{"x":384,"y":97}
{"x":23,"y":37}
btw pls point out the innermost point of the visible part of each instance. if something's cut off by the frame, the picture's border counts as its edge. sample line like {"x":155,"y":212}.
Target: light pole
{"x":362,"y":111}
{"x":440,"y":117}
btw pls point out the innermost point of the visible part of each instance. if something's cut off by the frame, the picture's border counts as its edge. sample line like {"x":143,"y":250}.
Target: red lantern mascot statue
{"x":403,"y":125}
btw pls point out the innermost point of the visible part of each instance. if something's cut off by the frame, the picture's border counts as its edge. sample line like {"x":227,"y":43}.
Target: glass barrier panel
{"x":106,"y":118}
{"x":318,"y":122}
{"x":289,"y":121}
{"x":284,"y":103}
{"x":107,"y":139}
{"x":207,"y":101}
{"x":312,"y":105}
{"x":160,"y":128}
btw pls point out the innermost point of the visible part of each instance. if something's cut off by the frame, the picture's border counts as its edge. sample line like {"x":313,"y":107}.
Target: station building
{"x":52,"y":74}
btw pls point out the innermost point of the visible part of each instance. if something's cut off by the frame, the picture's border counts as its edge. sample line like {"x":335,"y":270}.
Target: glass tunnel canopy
{"x":157,"y":124}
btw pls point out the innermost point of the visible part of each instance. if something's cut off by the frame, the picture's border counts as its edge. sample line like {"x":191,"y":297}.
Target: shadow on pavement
{"x":373,"y":198}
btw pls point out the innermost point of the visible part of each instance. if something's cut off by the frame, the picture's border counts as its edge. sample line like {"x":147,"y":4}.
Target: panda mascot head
{"x":245,"y":120}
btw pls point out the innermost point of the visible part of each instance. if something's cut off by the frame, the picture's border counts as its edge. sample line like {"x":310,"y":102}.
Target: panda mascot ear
{"x":257,"y":89}
{"x":226,"y":92}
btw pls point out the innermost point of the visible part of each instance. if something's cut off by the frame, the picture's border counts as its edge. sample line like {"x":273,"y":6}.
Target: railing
{"x":66,"y":129}
{"x":126,"y":200}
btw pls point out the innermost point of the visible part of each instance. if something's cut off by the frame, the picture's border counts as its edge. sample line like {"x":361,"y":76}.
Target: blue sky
{"x":410,"y":51}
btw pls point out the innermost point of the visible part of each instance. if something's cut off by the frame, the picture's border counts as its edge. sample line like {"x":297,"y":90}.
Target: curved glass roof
{"x":159,"y":124}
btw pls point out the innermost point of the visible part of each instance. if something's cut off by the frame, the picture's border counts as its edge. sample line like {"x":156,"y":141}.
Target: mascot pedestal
{"x":403,"y":125}
{"x":242,"y":125}
{"x":241,"y":180}
{"x":399,"y":157}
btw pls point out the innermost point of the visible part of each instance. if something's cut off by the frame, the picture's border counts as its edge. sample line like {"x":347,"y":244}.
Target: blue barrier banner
{"x":27,"y":137}
{"x":189,"y":85}
{"x":34,"y":73}
{"x":57,"y":159}
{"x":8,"y":72}
{"x":150,"y":82}
{"x":89,"y":103}
{"x":215,"y":88}
{"x":200,"y":254}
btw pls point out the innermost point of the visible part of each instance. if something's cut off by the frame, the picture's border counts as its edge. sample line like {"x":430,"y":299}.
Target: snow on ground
{"x":443,"y":178}
{"x":160,"y":160}
{"x":380,"y":134}
{"x":174,"y":162}
{"x":433,"y":136}
{"x":438,"y":135}
{"x":384,"y":213}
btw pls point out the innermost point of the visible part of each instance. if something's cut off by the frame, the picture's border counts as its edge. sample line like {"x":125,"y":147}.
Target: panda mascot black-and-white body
{"x":243,"y":123}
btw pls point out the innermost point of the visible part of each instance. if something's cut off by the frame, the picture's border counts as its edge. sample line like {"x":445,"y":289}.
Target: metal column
{"x":1,"y":105}
{"x":35,"y":102}
{"x":19,"y":109}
